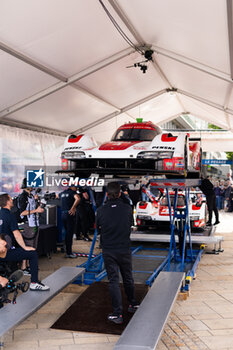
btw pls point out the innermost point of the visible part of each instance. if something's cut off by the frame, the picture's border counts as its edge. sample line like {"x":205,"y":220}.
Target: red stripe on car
{"x":116,"y":146}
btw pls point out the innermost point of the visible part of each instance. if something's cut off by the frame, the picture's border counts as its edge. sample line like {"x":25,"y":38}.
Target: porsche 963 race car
{"x":139,"y":148}
{"x":154,"y":212}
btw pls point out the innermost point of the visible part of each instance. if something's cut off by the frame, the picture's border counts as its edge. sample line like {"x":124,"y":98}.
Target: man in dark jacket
{"x":113,"y":222}
{"x":208,"y":189}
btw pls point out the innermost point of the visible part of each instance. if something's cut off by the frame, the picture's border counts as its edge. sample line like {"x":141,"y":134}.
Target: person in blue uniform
{"x":69,"y":201}
{"x":15,"y":247}
{"x":113,"y":222}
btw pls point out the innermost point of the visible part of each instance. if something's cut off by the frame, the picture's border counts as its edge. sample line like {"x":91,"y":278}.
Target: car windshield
{"x":135,"y":134}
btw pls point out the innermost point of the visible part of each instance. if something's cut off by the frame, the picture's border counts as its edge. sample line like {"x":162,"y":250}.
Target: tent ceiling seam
{"x":148,"y":98}
{"x":58,"y":86}
{"x":86,"y":91}
{"x":127,"y":22}
{"x":141,"y":42}
{"x":227,"y":101}
{"x":32,"y":62}
{"x":121,"y":111}
{"x":169,"y":119}
{"x":228,"y":96}
{"x":191,"y":63}
{"x":207,"y":102}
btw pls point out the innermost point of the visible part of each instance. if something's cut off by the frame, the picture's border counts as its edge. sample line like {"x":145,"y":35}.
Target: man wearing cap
{"x":69,"y":201}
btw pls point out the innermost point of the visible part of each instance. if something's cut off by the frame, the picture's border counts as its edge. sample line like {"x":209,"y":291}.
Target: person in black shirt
{"x":84,"y":214}
{"x":113,"y":222}
{"x":208,"y":189}
{"x":69,"y":201}
{"x":9,"y":227}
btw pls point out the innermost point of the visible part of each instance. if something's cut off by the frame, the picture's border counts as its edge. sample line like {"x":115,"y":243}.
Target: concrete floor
{"x":203,"y":321}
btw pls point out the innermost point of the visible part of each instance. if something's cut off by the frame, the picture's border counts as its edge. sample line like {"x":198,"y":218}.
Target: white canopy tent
{"x":63,"y":64}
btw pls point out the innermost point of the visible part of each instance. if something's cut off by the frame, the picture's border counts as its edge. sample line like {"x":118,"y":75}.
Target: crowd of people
{"x":19,"y":246}
{"x":13,"y":245}
{"x":224,"y":194}
{"x":113,"y":220}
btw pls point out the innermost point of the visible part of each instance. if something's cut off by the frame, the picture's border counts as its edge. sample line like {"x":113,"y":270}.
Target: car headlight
{"x":155,"y":154}
{"x":73,"y":155}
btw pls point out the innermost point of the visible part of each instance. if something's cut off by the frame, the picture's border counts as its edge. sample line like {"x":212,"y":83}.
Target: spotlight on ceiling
{"x":142,"y":65}
{"x":148,"y":55}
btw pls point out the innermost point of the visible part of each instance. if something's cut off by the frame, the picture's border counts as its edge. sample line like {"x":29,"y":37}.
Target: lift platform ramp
{"x":146,"y":326}
{"x":29,"y":302}
{"x":162,"y":238}
{"x":180,"y":184}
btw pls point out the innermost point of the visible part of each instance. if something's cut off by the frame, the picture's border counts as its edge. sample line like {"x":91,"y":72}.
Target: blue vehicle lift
{"x":180,"y":259}
{"x":171,"y":259}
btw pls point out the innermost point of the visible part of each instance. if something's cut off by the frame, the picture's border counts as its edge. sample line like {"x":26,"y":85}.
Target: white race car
{"x":135,"y":149}
{"x":155,"y":212}
{"x":198,"y":212}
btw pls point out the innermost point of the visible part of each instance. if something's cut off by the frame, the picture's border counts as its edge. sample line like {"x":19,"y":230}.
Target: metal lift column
{"x":179,"y":217}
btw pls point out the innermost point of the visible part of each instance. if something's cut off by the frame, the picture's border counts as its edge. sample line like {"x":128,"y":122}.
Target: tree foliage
{"x":212,"y":126}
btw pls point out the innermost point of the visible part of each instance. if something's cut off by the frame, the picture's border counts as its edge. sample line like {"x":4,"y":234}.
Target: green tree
{"x":229,"y":155}
{"x":212,"y":126}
